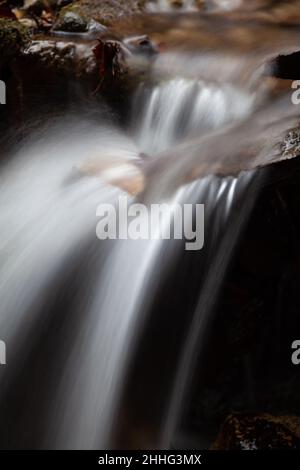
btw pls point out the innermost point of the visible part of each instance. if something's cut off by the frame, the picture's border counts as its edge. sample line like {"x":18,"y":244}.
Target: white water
{"x":190,"y":5}
{"x":167,"y":6}
{"x":48,"y":217}
{"x":181,"y":109}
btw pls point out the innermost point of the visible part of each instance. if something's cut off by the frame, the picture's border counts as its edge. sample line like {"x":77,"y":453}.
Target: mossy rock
{"x":72,"y":19}
{"x":77,"y":16}
{"x":13,"y":37}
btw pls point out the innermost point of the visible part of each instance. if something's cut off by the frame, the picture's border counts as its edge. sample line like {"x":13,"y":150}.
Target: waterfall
{"x":190,"y":5}
{"x":179,"y":109}
{"x":73,"y":308}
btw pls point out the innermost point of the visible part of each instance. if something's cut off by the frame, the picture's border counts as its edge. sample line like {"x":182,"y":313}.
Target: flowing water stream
{"x":74,"y":308}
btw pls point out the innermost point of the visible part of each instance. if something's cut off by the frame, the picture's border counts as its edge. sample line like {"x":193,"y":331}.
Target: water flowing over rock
{"x":176,"y":103}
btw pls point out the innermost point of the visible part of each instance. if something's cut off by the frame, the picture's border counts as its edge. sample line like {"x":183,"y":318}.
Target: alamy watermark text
{"x":153,"y":222}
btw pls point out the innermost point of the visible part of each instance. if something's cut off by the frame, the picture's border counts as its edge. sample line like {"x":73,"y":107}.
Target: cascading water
{"x":164,"y":121}
{"x":82,"y":304}
{"x":190,"y":5}
{"x":165,"y":5}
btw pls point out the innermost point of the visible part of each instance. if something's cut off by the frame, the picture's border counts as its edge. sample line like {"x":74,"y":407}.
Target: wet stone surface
{"x":253,"y":432}
{"x":291,"y":144}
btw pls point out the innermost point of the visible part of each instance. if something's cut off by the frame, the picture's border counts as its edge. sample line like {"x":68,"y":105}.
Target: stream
{"x":76,"y":311}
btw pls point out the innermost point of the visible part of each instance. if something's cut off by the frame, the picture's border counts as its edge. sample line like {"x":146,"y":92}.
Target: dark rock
{"x":62,"y":56}
{"x":176,"y":3}
{"x":72,"y":21}
{"x":104,"y":12}
{"x":245,"y":365}
{"x":13,"y":38}
{"x":5,"y":11}
{"x":255,"y":432}
{"x":80,"y":15}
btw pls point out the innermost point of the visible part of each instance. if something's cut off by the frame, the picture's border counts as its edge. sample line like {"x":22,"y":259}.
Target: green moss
{"x":13,"y":37}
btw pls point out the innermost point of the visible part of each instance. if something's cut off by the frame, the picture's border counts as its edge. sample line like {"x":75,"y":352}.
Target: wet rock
{"x":261,"y":431}
{"x":13,"y":38}
{"x":104,"y":12}
{"x":68,"y":72}
{"x":62,"y":56}
{"x":287,"y":66}
{"x":72,"y":21}
{"x":248,"y":364}
{"x":5,"y":11}
{"x":291,"y":145}
{"x":176,"y":3}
